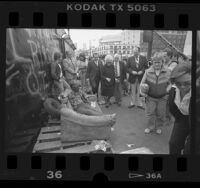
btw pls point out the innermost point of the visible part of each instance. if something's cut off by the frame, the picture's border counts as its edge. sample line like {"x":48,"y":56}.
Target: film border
{"x":26,"y":10}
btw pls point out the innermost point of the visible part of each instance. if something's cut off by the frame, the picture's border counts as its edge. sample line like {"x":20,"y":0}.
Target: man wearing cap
{"x":179,"y":105}
{"x":136,"y":66}
{"x":154,"y":85}
{"x":171,"y":60}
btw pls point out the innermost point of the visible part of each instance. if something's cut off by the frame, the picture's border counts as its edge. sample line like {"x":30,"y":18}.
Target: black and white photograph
{"x":98,"y":91}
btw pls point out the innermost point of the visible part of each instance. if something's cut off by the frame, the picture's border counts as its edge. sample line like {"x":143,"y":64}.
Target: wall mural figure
{"x":29,"y":53}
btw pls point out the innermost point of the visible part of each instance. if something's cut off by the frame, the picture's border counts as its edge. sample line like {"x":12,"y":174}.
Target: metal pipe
{"x":166,"y":42}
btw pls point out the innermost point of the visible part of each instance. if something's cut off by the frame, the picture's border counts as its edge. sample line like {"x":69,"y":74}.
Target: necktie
{"x":60,"y":70}
{"x":137,"y":61}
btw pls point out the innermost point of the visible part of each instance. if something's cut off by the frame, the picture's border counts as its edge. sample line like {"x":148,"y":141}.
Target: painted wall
{"x":29,"y":53}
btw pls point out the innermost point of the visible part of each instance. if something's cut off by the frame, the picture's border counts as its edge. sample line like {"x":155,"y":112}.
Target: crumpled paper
{"x":101,"y":145}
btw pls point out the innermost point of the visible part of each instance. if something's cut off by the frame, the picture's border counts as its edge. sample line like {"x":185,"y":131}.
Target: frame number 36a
{"x":153,"y":176}
{"x":54,"y":174}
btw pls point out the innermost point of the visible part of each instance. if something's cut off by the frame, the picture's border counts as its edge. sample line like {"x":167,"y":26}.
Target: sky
{"x":81,"y":36}
{"x":188,"y":44}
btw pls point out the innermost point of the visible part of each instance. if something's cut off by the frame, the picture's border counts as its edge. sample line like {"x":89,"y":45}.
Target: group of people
{"x":66,"y":86}
{"x":165,"y":83}
{"x":167,"y":87}
{"x":116,"y":74}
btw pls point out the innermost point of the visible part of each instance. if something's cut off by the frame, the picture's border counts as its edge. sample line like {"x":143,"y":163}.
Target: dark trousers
{"x":107,"y":99}
{"x":95,"y":88}
{"x":178,"y":137}
{"x":118,"y":92}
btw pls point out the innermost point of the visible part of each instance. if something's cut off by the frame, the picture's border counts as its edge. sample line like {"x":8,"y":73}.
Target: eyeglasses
{"x":183,"y":84}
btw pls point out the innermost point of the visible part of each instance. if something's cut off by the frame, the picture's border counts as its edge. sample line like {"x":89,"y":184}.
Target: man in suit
{"x":120,"y":77}
{"x":93,"y":73}
{"x":136,"y":66}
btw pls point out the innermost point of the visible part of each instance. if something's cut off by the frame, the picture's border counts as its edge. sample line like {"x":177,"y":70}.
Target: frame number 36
{"x":54,"y":174}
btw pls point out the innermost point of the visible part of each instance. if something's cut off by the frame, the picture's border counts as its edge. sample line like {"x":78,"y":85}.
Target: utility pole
{"x":150,"y":44}
{"x":68,"y":30}
{"x":148,"y":37}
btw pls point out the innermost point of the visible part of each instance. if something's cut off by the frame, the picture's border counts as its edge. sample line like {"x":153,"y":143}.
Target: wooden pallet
{"x":49,"y":142}
{"x":23,"y":140}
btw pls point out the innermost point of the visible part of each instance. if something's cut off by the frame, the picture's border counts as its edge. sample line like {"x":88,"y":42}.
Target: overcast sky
{"x":81,"y":36}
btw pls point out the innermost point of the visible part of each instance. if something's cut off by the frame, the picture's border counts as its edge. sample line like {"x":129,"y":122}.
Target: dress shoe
{"x":148,"y":130}
{"x":131,"y":106}
{"x":119,"y":104}
{"x":108,"y":104}
{"x":159,"y":131}
{"x":141,"y":107}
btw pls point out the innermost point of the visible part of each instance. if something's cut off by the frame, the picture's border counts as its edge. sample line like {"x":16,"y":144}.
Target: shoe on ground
{"x":141,"y":107}
{"x":107,"y":105}
{"x":112,"y":129}
{"x":131,"y":106}
{"x":118,"y":103}
{"x":147,"y":130}
{"x":158,"y":131}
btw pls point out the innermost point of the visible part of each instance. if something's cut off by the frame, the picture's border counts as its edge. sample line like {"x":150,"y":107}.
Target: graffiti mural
{"x":29,"y":53}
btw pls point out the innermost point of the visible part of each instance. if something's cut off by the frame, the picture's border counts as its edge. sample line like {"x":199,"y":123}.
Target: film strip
{"x":37,"y":151}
